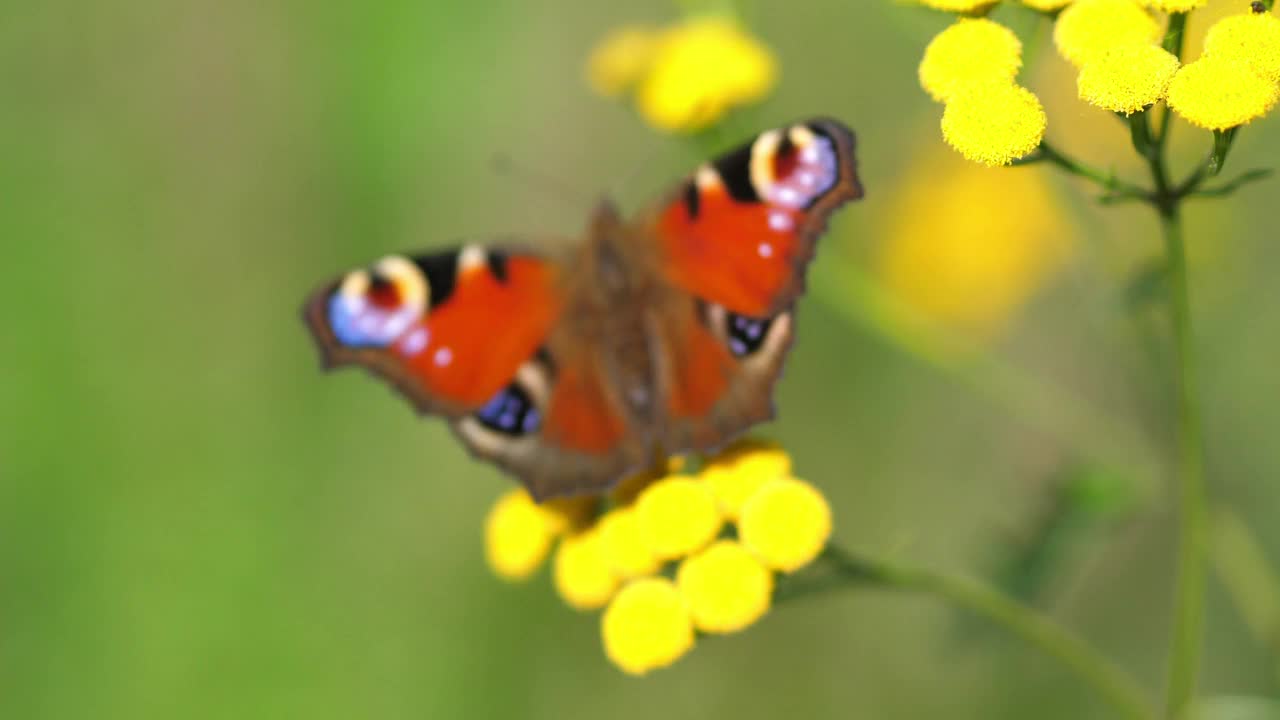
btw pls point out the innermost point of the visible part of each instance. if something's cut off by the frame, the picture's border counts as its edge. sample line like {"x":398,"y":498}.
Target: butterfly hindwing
{"x":740,"y":231}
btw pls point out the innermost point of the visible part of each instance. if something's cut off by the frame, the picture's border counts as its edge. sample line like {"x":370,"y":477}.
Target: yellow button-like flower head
{"x":621,"y":59}
{"x":581,"y":572}
{"x":677,"y":515}
{"x":1090,"y":27}
{"x":647,"y":626}
{"x":736,"y":474}
{"x":701,"y":69}
{"x":1253,"y":38}
{"x":1127,"y":78}
{"x":786,"y":524}
{"x":725,"y":586}
{"x":969,"y":51}
{"x":1220,"y":93}
{"x":959,"y":6}
{"x":517,"y":536}
{"x":625,"y":548}
{"x":994,"y":123}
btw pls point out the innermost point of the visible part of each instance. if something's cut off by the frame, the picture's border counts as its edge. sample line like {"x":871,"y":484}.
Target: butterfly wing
{"x":741,"y":230}
{"x":734,"y":242}
{"x":476,"y":335}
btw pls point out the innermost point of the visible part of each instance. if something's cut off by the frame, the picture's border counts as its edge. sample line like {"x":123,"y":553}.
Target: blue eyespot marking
{"x":358,"y":323}
{"x":510,"y":412}
{"x":746,"y":334}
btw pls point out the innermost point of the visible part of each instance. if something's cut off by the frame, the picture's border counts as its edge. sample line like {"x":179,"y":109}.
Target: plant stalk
{"x":1111,"y":682}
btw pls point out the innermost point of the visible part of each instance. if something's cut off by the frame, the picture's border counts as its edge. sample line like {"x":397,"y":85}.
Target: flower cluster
{"x":1114,"y":44}
{"x":686,"y":76}
{"x":1237,"y":79}
{"x":669,"y":554}
{"x":989,"y":118}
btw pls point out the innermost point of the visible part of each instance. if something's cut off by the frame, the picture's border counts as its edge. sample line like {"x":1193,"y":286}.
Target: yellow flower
{"x":993,"y":123}
{"x":786,"y":524}
{"x":959,"y":6}
{"x":1127,"y":78}
{"x":1176,"y":6}
{"x":1046,"y":5}
{"x":677,"y":515}
{"x":1253,"y":38}
{"x":621,"y":59}
{"x":581,"y":572}
{"x":1220,"y":93}
{"x":969,"y":51}
{"x":726,"y":587}
{"x":517,"y":536}
{"x":1090,"y":27}
{"x":967,"y":246}
{"x":737,"y":473}
{"x":625,"y":549}
{"x":701,"y":69}
{"x":647,"y":626}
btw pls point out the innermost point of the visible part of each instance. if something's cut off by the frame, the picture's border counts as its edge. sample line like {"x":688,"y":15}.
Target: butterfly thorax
{"x":612,"y":289}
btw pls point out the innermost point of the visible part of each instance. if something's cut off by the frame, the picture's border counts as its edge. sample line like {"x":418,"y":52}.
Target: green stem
{"x":1188,"y":624}
{"x":1111,"y":682}
{"x":1184,"y":661}
{"x":1115,"y":187}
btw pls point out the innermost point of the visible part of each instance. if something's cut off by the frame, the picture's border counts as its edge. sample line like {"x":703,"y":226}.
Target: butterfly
{"x":660,"y":334}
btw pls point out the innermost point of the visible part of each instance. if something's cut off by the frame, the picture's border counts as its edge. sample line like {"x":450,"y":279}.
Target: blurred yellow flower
{"x":1127,"y":78}
{"x":517,"y":536}
{"x":1089,"y":27}
{"x":993,"y":123}
{"x":786,"y":524}
{"x":646,"y":626}
{"x":625,"y":549}
{"x":1046,"y":5}
{"x":725,"y":586}
{"x":971,"y":50}
{"x":677,"y":515}
{"x":619,"y":61}
{"x":1176,"y":6}
{"x":968,"y":246}
{"x":959,"y":6}
{"x":1253,"y":38}
{"x":581,"y":573}
{"x":1220,"y":93}
{"x":685,"y":76}
{"x":736,"y":474}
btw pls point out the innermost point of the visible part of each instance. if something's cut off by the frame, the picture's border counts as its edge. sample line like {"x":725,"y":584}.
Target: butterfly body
{"x":663,"y":333}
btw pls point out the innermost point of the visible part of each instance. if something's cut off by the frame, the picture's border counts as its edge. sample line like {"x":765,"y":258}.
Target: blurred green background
{"x":195,"y":523}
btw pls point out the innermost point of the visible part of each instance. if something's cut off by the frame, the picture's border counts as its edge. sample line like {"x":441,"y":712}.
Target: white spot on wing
{"x":443,"y":357}
{"x":780,"y":221}
{"x":765,"y":250}
{"x":415,"y":342}
{"x":472,"y":256}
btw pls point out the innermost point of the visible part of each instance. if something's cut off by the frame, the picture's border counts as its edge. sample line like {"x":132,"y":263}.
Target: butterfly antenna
{"x":505,"y":166}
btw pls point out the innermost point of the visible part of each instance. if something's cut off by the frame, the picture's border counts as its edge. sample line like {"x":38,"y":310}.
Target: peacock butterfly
{"x":664,"y":333}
